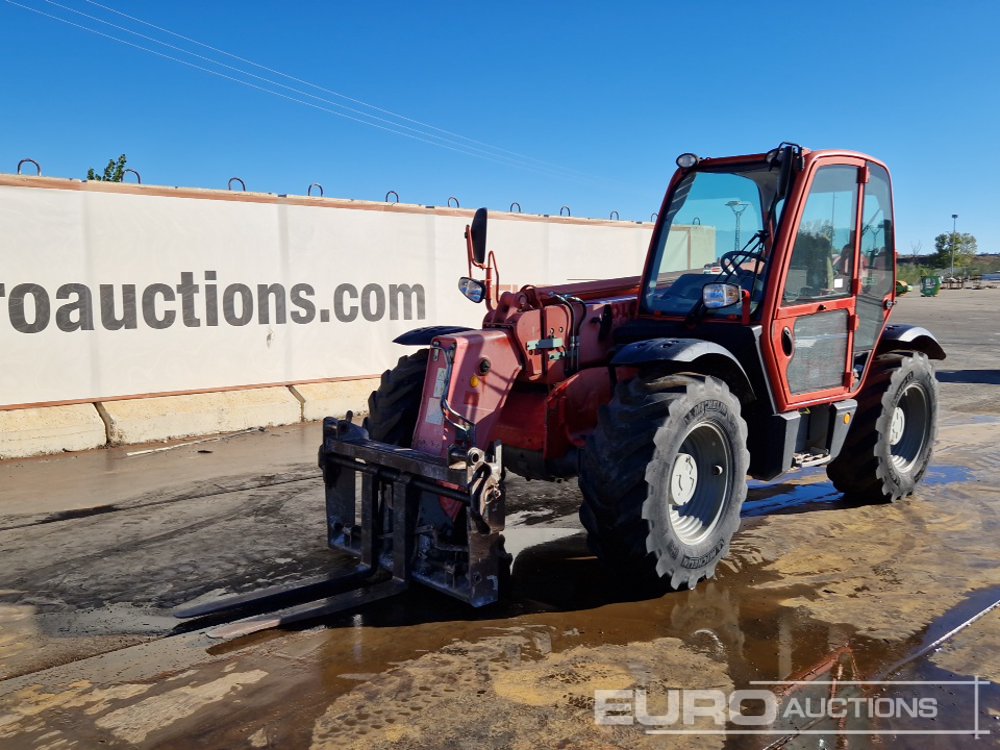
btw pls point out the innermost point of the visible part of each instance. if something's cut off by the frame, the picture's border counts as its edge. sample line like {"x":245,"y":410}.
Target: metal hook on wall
{"x":392,"y":192}
{"x":457,"y":204}
{"x":566,"y":209}
{"x":138,"y":177}
{"x":243,"y":185}
{"x":614,"y":216}
{"x":309,"y":190}
{"x":515,"y":203}
{"x":29,"y":161}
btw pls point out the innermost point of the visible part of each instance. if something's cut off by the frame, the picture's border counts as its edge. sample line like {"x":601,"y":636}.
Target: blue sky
{"x":606,"y":95}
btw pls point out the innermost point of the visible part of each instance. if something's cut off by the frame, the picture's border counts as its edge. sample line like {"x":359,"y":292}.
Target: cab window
{"x":822,"y":262}
{"x":878,"y":256}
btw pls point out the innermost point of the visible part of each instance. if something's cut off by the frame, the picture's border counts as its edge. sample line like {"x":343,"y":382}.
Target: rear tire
{"x":891,"y":441}
{"x":394,"y":407}
{"x":663,"y":477}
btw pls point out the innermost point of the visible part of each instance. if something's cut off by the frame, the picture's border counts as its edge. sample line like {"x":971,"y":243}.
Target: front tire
{"x":663,"y":477}
{"x":891,"y":441}
{"x":394,"y":407}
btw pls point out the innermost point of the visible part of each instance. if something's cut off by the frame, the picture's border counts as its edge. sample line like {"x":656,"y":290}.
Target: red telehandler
{"x":756,"y":342}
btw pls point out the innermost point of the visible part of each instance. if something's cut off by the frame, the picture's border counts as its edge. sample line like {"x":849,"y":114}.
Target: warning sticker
{"x":433,"y":411}
{"x":440,"y":382}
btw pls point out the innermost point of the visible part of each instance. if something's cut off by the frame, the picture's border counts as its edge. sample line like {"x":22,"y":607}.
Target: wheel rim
{"x":908,"y":427}
{"x":699,"y":483}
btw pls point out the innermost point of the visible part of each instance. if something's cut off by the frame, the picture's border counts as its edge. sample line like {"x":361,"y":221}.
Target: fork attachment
{"x":402,"y":526}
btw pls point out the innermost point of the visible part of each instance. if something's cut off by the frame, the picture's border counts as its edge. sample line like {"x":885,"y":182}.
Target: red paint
{"x":543,"y":394}
{"x":434,"y":434}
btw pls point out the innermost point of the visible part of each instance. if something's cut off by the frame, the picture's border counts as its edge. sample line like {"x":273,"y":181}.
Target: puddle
{"x":566,"y":604}
{"x":560,"y":589}
{"x":571,"y":627}
{"x":913,"y":704}
{"x":976,"y":603}
{"x":938,"y":475}
{"x":963,"y":419}
{"x":981,"y":377}
{"x":810,"y":490}
{"x":776,"y":611}
{"x":793,"y":498}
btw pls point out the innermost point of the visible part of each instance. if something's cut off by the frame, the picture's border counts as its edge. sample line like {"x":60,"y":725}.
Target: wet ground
{"x":96,"y":548}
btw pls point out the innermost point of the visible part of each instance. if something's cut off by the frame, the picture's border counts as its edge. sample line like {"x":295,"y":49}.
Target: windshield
{"x":712,"y":232}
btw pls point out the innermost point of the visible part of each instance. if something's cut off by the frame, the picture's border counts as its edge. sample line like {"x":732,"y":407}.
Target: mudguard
{"x":901,"y":337}
{"x":714,"y":358}
{"x":424,"y":336}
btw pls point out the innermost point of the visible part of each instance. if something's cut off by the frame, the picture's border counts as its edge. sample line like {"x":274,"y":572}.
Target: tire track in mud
{"x":154,"y":499}
{"x":105,"y":582}
{"x":164,"y":558}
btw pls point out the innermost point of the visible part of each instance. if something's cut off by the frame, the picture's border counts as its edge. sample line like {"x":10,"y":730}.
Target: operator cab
{"x":710,"y":255}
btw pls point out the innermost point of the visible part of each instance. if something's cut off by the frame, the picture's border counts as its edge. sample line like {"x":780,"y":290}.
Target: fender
{"x":713,"y":358}
{"x":424,"y":336}
{"x":907,"y":338}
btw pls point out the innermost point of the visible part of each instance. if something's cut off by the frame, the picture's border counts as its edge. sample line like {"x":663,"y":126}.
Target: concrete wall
{"x":135,"y":313}
{"x":27,"y":432}
{"x":73,"y":427}
{"x":110,"y":291}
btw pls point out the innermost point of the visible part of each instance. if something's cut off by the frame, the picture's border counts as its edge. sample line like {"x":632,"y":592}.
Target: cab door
{"x":812,"y":331}
{"x":876,"y":267}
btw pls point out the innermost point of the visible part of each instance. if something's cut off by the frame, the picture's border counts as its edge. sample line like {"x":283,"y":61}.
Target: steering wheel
{"x":731,"y":262}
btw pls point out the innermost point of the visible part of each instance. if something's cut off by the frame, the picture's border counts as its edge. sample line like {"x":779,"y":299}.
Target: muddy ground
{"x":96,"y":549}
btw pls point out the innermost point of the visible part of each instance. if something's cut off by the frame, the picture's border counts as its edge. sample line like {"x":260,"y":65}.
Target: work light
{"x":686,"y":161}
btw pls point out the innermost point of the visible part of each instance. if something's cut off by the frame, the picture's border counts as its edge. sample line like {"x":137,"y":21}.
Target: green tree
{"x":114,"y":172}
{"x":965,"y":248}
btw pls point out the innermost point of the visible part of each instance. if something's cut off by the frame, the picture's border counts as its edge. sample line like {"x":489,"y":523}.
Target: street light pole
{"x":954,"y":241}
{"x":737,"y":207}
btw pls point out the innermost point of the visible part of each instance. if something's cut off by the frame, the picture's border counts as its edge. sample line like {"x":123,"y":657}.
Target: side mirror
{"x":788,"y":158}
{"x":716,"y":295}
{"x":785,"y":175}
{"x":472,"y":290}
{"x":478,"y":230}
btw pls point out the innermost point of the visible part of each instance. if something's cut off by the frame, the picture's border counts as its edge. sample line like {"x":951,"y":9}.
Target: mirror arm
{"x":468,"y":247}
{"x":492,"y":281}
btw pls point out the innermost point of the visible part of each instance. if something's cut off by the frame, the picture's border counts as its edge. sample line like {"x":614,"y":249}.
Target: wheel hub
{"x":909,"y":427}
{"x":897,"y":426}
{"x":683,"y":479}
{"x":699,"y":483}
